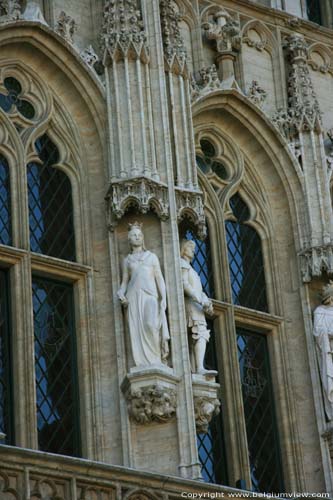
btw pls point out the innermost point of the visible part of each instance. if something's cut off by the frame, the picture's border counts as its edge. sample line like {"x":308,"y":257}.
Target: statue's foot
{"x":203,"y":371}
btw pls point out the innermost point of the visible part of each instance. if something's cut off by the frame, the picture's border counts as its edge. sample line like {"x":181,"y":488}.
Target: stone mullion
{"x":189,"y":464}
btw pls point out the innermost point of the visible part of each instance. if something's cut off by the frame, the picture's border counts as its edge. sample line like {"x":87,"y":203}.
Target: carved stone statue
{"x":323,"y":332}
{"x":143,"y":294}
{"x":197,"y":306}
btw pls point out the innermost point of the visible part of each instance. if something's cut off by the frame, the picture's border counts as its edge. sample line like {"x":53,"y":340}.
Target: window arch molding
{"x":265,"y":157}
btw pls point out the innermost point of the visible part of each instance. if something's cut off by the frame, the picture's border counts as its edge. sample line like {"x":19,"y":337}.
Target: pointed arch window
{"x":50,"y":204}
{"x":5,"y":203}
{"x":247,"y":288}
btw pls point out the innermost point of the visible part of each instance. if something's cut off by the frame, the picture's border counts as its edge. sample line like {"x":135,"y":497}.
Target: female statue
{"x":143,"y":293}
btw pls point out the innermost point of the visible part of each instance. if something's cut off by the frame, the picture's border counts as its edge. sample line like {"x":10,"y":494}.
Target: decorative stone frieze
{"x":315,"y":261}
{"x":224,"y":30}
{"x":151,"y":394}
{"x":206,"y":402}
{"x":66,"y":27}
{"x":174,"y":47}
{"x":190,"y":205}
{"x":140,"y":192}
{"x":257,"y":94}
{"x":10,"y":10}
{"x":123,"y":34}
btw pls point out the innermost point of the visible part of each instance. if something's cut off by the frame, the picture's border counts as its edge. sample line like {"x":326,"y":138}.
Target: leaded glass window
{"x":260,"y":419}
{"x":5,"y":365}
{"x":5,"y":209}
{"x":211,"y":446}
{"x":50,"y":205}
{"x":246,"y":264}
{"x":12,"y":99}
{"x":313,"y":11}
{"x":55,"y":367}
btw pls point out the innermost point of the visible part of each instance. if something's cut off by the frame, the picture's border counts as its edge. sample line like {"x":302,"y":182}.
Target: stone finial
{"x":151,"y":403}
{"x":10,"y":10}
{"x":225,"y":31}
{"x":66,"y":26}
{"x":123,"y":33}
{"x":256,"y":94}
{"x":174,"y":47}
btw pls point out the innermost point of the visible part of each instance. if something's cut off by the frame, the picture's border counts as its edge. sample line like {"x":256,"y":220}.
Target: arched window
{"x":48,"y":230}
{"x":50,"y":204}
{"x":247,"y":286}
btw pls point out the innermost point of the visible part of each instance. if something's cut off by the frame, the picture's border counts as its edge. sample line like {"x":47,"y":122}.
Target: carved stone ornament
{"x":205,"y":409}
{"x":140,"y":192}
{"x":10,"y":10}
{"x":66,"y":27}
{"x":174,"y":47}
{"x":224,"y":30}
{"x":315,"y":261}
{"x":89,"y":56}
{"x":303,"y":112}
{"x":123,"y":33}
{"x":190,"y":205}
{"x":151,"y":404}
{"x":257,"y":94}
{"x":207,"y":82}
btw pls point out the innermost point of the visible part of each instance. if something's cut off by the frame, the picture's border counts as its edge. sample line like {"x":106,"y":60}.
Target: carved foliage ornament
{"x":207,"y":82}
{"x":224,"y":30}
{"x":257,"y":94}
{"x":205,"y":409}
{"x":152,"y":403}
{"x":66,"y":26}
{"x":123,"y":33}
{"x":174,"y":47}
{"x":10,"y":10}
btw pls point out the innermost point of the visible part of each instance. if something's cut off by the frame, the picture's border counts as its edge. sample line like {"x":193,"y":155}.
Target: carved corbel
{"x":66,"y":27}
{"x":205,"y":409}
{"x":151,"y":404}
{"x":140,"y":192}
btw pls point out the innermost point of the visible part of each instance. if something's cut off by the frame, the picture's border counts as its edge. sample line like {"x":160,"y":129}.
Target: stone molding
{"x":123,"y":34}
{"x":316,"y":260}
{"x":224,"y":30}
{"x":174,"y":47}
{"x":66,"y":27}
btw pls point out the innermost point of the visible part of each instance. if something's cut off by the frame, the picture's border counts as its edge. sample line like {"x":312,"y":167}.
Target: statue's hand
{"x":208,"y":307}
{"x":123,"y":300}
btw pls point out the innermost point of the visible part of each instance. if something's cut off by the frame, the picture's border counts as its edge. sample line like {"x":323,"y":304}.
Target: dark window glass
{"x":5,"y":222}
{"x":260,"y":419}
{"x":55,"y":367}
{"x":313,"y":11}
{"x":13,"y":99}
{"x":207,"y":148}
{"x":6,"y":435}
{"x":211,"y":446}
{"x":245,"y":259}
{"x":220,"y":170}
{"x":50,"y":205}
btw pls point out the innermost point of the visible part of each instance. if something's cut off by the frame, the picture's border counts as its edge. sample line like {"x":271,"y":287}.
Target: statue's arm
{"x":160,"y":282}
{"x":188,"y":288}
{"x":123,"y":287}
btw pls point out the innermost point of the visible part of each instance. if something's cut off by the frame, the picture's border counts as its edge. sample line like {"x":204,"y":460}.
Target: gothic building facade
{"x":128,"y":127}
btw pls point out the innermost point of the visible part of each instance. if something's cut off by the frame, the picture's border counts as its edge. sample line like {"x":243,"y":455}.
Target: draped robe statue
{"x":143,"y":294}
{"x":323,"y":332}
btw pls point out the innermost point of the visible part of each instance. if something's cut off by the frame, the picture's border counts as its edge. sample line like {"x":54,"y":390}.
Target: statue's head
{"x":327,"y":293}
{"x":135,"y":235}
{"x":187,"y":249}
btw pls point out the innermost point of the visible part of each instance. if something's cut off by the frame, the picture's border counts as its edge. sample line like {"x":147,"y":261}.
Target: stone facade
{"x":132,"y":92}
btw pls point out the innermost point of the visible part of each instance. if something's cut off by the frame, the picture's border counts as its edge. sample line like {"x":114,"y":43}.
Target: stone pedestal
{"x":205,"y":396}
{"x":151,"y":394}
